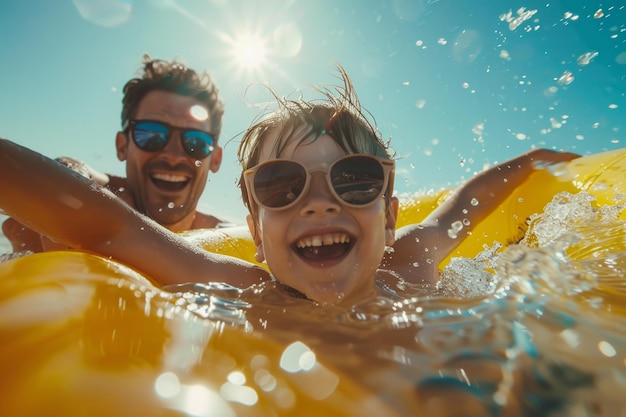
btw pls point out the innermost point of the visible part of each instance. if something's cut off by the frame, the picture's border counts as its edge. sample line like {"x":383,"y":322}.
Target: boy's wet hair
{"x":338,"y":114}
{"x":172,"y":76}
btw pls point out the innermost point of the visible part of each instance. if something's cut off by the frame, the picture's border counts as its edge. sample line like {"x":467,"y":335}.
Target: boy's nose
{"x":320,"y":199}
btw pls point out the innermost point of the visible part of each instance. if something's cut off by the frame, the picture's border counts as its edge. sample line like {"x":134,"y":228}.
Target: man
{"x":171,"y":121}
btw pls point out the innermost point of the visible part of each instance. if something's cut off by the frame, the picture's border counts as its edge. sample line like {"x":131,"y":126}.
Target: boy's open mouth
{"x":169,"y":182}
{"x":324,"y":247}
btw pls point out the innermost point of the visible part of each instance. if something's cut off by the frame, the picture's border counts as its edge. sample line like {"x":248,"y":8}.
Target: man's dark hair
{"x":177,"y":78}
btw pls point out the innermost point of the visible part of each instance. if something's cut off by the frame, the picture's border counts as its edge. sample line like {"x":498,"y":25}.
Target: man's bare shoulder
{"x":205,"y":221}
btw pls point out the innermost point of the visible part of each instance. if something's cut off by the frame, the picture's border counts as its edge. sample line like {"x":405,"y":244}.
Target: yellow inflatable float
{"x":602,"y":175}
{"x":82,"y":335}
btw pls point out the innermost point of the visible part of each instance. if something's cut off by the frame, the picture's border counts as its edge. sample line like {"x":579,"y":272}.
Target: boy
{"x":318,"y":182}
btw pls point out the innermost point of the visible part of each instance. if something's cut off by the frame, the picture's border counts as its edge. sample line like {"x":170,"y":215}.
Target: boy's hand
{"x":544,"y":157}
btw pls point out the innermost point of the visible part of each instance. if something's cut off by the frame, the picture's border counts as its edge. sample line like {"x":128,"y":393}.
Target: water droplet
{"x":585,"y":59}
{"x":566,"y":78}
{"x":455,"y":228}
{"x":198,"y":164}
{"x":170,"y":205}
{"x":474,"y":202}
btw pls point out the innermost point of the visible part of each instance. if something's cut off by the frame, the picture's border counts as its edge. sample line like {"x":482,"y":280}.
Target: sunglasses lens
{"x":358,"y":180}
{"x":279,"y":184}
{"x":198,"y":144}
{"x":150,"y":136}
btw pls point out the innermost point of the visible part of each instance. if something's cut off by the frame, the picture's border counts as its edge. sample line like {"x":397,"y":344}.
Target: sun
{"x":247,"y":52}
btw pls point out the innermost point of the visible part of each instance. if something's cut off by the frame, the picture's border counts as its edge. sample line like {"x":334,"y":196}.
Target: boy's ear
{"x":392,"y":218}
{"x":259,"y":256}
{"x":121,"y":145}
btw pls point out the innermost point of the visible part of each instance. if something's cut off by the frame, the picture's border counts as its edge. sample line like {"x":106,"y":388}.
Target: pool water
{"x":534,"y":329}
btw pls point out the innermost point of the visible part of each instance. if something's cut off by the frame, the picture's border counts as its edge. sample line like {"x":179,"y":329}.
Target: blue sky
{"x":456,"y":84}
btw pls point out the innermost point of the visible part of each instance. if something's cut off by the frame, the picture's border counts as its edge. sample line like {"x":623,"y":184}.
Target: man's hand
{"x":84,"y":170}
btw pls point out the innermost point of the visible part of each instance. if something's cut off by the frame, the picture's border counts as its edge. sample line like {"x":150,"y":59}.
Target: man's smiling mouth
{"x":169,"y":182}
{"x":325,"y":246}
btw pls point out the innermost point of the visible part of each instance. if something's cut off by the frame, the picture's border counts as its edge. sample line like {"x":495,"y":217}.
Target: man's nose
{"x":174,"y":148}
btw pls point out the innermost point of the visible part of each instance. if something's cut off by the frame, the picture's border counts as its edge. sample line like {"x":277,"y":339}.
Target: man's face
{"x":166,"y":184}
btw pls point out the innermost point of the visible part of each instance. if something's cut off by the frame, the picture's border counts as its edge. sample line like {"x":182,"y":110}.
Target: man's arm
{"x":58,"y":202}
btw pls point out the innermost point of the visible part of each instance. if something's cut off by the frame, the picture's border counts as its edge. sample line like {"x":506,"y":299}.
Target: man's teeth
{"x":327,"y":239}
{"x":169,"y":177}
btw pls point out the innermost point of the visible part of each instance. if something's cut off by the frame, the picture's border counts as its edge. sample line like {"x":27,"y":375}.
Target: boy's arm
{"x":489,"y":188}
{"x":58,"y":202}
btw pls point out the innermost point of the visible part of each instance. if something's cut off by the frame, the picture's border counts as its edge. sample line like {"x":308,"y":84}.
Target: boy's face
{"x":286,"y":239}
{"x":166,"y":184}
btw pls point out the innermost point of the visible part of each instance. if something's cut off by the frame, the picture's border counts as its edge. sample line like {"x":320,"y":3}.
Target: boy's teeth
{"x":169,"y":177}
{"x":321,"y":240}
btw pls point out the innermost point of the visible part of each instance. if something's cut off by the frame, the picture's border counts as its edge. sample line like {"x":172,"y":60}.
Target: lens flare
{"x":106,"y":13}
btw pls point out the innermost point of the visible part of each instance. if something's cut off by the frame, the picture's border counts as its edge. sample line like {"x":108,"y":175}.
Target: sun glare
{"x":258,"y":48}
{"x":247,"y":51}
